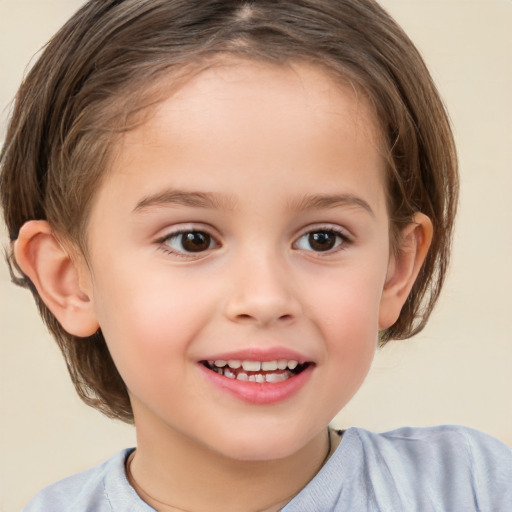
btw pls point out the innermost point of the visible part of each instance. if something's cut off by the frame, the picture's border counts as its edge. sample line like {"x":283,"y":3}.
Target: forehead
{"x":245,"y":120}
{"x":231,"y":85}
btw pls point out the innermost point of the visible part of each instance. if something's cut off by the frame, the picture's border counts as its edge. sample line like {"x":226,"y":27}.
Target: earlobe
{"x":404,"y":267}
{"x":56,"y":278}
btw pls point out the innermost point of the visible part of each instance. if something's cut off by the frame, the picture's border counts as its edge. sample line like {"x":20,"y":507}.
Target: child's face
{"x":245,"y":221}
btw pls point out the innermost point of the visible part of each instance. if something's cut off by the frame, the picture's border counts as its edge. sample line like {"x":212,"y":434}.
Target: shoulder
{"x":448,"y":443}
{"x":450,"y":462}
{"x":100,"y":488}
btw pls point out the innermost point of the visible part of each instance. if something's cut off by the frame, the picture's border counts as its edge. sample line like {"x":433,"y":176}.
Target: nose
{"x":262,"y":293}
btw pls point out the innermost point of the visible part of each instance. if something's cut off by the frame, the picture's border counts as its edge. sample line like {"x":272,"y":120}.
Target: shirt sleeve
{"x":491,"y":469}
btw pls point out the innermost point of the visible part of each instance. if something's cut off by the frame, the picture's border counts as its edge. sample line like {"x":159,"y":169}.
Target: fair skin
{"x":276,"y":177}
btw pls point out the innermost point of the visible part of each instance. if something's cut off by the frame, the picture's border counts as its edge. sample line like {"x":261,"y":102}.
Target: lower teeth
{"x":254,"y":377}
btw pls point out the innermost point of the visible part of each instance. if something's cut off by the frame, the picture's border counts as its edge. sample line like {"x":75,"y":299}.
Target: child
{"x":220,"y":207}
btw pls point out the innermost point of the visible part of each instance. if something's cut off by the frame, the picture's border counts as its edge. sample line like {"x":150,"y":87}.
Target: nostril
{"x":244,"y":316}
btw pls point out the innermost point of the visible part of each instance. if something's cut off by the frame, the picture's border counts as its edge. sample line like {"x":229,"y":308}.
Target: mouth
{"x":260,"y":372}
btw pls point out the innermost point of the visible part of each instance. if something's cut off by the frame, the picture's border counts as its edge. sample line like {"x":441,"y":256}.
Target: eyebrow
{"x":184,"y":198}
{"x":326,"y":201}
{"x":211,"y":200}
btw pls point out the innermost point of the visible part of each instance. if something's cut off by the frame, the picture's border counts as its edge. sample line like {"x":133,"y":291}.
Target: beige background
{"x":458,"y":371}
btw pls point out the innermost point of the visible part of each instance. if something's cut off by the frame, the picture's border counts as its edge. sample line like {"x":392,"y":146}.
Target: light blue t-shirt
{"x":437,"y":469}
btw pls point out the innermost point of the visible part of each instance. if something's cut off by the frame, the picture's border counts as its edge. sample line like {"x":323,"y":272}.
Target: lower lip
{"x":259,"y":393}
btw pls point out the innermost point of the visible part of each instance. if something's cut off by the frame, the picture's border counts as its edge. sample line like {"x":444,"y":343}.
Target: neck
{"x":182,"y":476}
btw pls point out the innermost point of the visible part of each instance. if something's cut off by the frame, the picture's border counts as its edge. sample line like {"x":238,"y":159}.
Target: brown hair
{"x":95,"y":76}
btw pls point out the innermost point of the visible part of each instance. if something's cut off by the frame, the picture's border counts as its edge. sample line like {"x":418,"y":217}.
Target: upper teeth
{"x":256,"y":366}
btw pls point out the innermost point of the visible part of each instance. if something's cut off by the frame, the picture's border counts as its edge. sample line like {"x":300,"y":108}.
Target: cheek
{"x":347,"y":317}
{"x":348,"y":324}
{"x":145,"y":320}
{"x":351,"y":339}
{"x":348,"y":306}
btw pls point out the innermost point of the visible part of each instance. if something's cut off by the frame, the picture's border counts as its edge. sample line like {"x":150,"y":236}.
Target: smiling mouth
{"x":257,"y":371}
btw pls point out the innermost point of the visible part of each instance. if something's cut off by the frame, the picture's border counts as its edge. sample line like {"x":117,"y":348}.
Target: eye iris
{"x":195,"y":241}
{"x":322,"y":241}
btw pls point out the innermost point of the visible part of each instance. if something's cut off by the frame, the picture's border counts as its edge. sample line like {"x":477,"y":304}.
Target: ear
{"x":404,"y":266}
{"x":58,"y":280}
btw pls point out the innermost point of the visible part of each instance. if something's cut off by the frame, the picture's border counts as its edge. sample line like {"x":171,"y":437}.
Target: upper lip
{"x":260,"y":354}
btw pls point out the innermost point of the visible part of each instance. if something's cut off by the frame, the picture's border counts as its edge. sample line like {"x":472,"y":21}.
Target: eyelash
{"x":163,"y":243}
{"x":341,"y":241}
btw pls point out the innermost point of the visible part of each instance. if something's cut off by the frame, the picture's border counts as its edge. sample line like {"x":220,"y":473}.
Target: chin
{"x":258,"y":447}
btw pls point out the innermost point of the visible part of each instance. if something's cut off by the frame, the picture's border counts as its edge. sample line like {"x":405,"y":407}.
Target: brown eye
{"x":195,"y":241}
{"x":320,"y":241}
{"x":190,"y":241}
